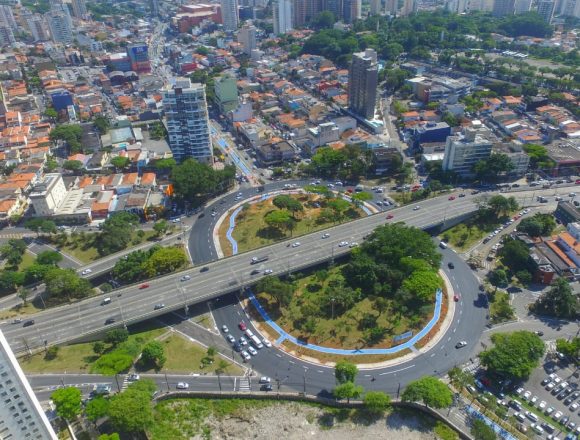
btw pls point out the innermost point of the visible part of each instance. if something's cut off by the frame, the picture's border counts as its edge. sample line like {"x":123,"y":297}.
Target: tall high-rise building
{"x":283,"y":16}
{"x":155,"y":8}
{"x":60,"y":27}
{"x":376,"y":7}
{"x":185,"y":110}
{"x":571,"y":8}
{"x":313,"y":8}
{"x":391,"y":7}
{"x":522,"y":6}
{"x":300,"y":13}
{"x":21,"y":416}
{"x":351,"y":10}
{"x":503,"y":7}
{"x":230,"y":15}
{"x":79,"y":8}
{"x":37,"y":27}
{"x":7,"y":18}
{"x":546,"y":9}
{"x":6,"y":36}
{"x":464,"y":150}
{"x":247,"y":38}
{"x":363,"y":79}
{"x":408,"y":7}
{"x":138,"y":54}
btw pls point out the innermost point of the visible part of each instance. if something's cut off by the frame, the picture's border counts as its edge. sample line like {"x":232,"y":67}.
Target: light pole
{"x":332,"y":303}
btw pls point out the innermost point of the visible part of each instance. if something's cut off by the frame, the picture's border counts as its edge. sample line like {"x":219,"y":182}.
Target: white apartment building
{"x":7,"y":18}
{"x":462,"y":152}
{"x":21,"y":416}
{"x":230,"y":15}
{"x":79,"y":8}
{"x":60,"y":27}
{"x":47,"y":195}
{"x":283,"y":12}
{"x":185,"y":110}
{"x":37,"y":27}
{"x":247,"y":38}
{"x":6,"y":36}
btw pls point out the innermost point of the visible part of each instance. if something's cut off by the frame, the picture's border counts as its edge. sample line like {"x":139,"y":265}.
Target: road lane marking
{"x":291,"y":362}
{"x":396,"y":371}
{"x":279,"y":355}
{"x":432,"y":354}
{"x":320,"y":371}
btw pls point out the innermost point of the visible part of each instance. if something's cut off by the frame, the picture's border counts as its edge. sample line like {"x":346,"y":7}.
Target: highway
{"x":133,"y":304}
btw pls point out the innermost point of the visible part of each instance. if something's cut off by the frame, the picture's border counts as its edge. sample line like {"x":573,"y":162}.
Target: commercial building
{"x":567,"y":213}
{"x":47,"y":195}
{"x":37,"y":26}
{"x":138,"y":54}
{"x":226,"y":93}
{"x":6,"y":36}
{"x":376,"y":7}
{"x":185,"y":110}
{"x":247,"y":38}
{"x":7,"y":18}
{"x":523,"y":6}
{"x":546,"y":9}
{"x":503,"y":7}
{"x":21,"y":416}
{"x":193,"y":15}
{"x":335,"y":6}
{"x":351,"y":10}
{"x":362,"y":83}
{"x":463,"y":151}
{"x":230,"y":15}
{"x":283,"y":16}
{"x":79,"y":8}
{"x":60,"y":24}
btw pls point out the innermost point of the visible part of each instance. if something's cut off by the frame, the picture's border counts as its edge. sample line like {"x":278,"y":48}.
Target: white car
{"x":353,"y":244}
{"x":252,"y":351}
{"x":265,"y":379}
{"x":519,"y":391}
{"x":243,"y":341}
{"x":230,"y":338}
{"x":296,"y":244}
{"x":557,"y":380}
{"x":325,"y":235}
{"x":86,"y":272}
{"x":542,"y":405}
{"x":182,"y":385}
{"x":549,"y":410}
{"x":268,"y":271}
{"x":574,"y":407}
{"x":246,"y":355}
{"x":185,"y":278}
{"x":534,"y":400}
{"x":550,"y":386}
{"x":416,"y":208}
{"x":557,"y":415}
{"x":526,"y":395}
{"x":225,"y":328}
{"x":266,"y":343}
{"x":343,"y":244}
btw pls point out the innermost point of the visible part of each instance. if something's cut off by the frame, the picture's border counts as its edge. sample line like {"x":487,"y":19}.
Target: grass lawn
{"x":465,"y":235}
{"x":27,"y":261}
{"x":80,"y":357}
{"x":184,"y":356}
{"x":252,"y":231}
{"x":19,"y":310}
{"x":84,"y":249}
{"x":344,"y":331}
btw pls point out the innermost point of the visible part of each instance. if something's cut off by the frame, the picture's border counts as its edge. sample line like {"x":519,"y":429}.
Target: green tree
{"x":423,"y":284}
{"x":161,"y":227}
{"x":514,"y":354}
{"x":10,"y":279}
{"x":539,"y":158}
{"x":289,"y":203}
{"x":71,"y":134}
{"x":194,"y":181}
{"x":377,"y":402}
{"x":120,"y":162}
{"x":165,"y":164}
{"x":116,"y":336}
{"x":279,"y":219}
{"x":538,"y":225}
{"x":97,"y":408}
{"x":324,"y":20}
{"x":280,"y":290}
{"x":460,"y":378}
{"x":116,"y":232}
{"x":345,"y":371}
{"x":347,"y":390}
{"x":112,"y":363}
{"x":569,"y":348}
{"x":515,"y":254}
{"x":153,"y":355}
{"x":67,"y":402}
{"x":66,"y":284}
{"x":559,"y":301}
{"x":113,"y":436}
{"x":498,"y":278}
{"x":13,"y":251}
{"x":98,"y":347}
{"x":429,"y":390}
{"x":51,"y":113}
{"x":492,"y":168}
{"x":164,"y":260}
{"x":102,"y":124}
{"x":360,"y":197}
{"x":72,"y":165}
{"x":481,"y":430}
{"x":130,"y":411}
{"x":49,"y":258}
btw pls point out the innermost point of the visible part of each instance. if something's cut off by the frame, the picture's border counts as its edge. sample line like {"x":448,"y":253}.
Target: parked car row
{"x":247,"y":343}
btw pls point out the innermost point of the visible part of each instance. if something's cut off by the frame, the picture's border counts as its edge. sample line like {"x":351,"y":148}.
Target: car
{"x":450,"y":265}
{"x":574,"y":407}
{"x":252,"y":351}
{"x":526,"y":395}
{"x":546,"y":381}
{"x":537,"y":428}
{"x":461,"y":344}
{"x":182,"y":385}
{"x":572,"y":195}
{"x":451,"y":198}
{"x":557,"y":415}
{"x":542,"y":405}
{"x":158,"y":306}
{"x":343,"y":244}
{"x":265,"y":379}
{"x":266,"y":387}
{"x":16,"y":321}
{"x":571,"y":425}
{"x":246,"y":356}
{"x":266,"y":343}
{"x":225,"y":328}
{"x":28,"y":323}
{"x":353,"y":244}
{"x":237,"y":347}
{"x":326,"y":235}
{"x":533,"y":400}
{"x":568,"y":400}
{"x":295,"y":244}
{"x":243,"y":341}
{"x":416,"y":208}
{"x":204,"y":269}
{"x":462,"y":195}
{"x":519,"y":391}
{"x":530,"y":415}
{"x":515,"y":405}
{"x":144,"y":286}
{"x":268,"y":271}
{"x":390,"y":216}
{"x":230,"y":338}
{"x":242,"y":326}
{"x":456,"y":298}
{"x":550,"y":386}
{"x":186,"y":278}
{"x":547,"y":427}
{"x":110,"y":321}
{"x":564,"y":421}
{"x":549,"y":410}
{"x":86,"y":272}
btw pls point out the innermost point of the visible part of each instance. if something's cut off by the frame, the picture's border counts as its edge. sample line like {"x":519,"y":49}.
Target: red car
{"x":456,"y":298}
{"x":144,"y":286}
{"x":390,"y":216}
{"x":577,"y":182}
{"x":242,"y":326}
{"x":451,"y":197}
{"x":349,"y":190}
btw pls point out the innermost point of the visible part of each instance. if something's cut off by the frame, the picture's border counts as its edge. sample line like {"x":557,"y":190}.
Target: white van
{"x":442,"y":245}
{"x":106,"y":301}
{"x":249,"y":333}
{"x":256,"y":341}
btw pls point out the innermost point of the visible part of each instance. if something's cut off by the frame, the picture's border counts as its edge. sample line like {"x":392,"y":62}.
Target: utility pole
{"x":117,"y":380}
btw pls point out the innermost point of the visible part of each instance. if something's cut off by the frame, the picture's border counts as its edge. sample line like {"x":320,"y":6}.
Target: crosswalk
{"x":244,"y":384}
{"x":15,"y":235}
{"x":125,"y":383}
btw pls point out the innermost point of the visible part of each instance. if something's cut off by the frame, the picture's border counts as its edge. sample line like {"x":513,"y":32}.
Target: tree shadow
{"x":270,"y":233}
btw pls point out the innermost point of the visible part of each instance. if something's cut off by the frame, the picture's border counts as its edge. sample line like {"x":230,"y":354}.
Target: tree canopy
{"x":481,"y":430}
{"x":194,"y":181}
{"x":153,"y":355}
{"x":514,"y":355}
{"x":131,"y":410}
{"x":538,"y":225}
{"x":558,"y":301}
{"x":377,"y":402}
{"x":345,"y":371}
{"x":65,"y":284}
{"x":429,"y":390}
{"x":69,"y":133}
{"x":116,"y":232}
{"x":67,"y":402}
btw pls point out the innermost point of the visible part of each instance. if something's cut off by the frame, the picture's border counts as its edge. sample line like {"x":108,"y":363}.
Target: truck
{"x":256,"y":260}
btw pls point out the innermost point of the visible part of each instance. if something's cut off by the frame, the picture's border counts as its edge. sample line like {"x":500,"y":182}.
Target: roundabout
{"x":465,"y":320}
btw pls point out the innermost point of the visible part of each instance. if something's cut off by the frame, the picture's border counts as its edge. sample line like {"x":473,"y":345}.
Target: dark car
{"x":450,"y":265}
{"x":237,"y":347}
{"x":266,"y":387}
{"x":28,"y":323}
{"x":204,"y":269}
{"x":109,"y":321}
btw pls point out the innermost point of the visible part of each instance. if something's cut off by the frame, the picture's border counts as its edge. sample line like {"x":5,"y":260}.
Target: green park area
{"x":386,"y":288}
{"x":120,"y":349}
{"x":289,"y":215}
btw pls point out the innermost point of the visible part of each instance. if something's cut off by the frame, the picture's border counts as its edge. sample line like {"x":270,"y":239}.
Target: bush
{"x":51,"y":353}
{"x":112,"y":363}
